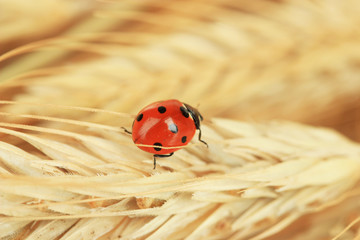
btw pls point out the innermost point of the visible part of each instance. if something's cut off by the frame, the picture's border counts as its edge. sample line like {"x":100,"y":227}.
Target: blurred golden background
{"x":258,"y":60}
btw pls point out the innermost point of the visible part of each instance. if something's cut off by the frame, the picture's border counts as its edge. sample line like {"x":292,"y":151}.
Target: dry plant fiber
{"x":68,"y":171}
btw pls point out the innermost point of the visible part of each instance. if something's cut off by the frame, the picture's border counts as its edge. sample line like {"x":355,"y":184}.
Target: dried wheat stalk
{"x":93,"y":183}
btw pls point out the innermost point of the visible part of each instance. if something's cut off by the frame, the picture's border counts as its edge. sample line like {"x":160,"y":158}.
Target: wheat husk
{"x":68,"y":171}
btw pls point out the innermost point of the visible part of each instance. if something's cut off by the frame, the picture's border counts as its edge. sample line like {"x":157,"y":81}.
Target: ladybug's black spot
{"x":162,"y":109}
{"x":184,"y":111}
{"x":157,"y":148}
{"x":183,"y":139}
{"x":173,"y":128}
{"x":139,"y":117}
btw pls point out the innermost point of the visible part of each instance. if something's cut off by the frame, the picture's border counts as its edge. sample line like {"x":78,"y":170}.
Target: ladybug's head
{"x":195,"y":114}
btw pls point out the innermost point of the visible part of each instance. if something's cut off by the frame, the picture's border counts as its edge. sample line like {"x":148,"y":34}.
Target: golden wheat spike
{"x":253,"y":181}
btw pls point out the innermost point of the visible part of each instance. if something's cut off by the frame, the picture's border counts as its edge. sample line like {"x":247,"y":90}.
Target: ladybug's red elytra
{"x":168,"y":123}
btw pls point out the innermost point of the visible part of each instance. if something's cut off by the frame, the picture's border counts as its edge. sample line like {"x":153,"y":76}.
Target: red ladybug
{"x":169,"y":123}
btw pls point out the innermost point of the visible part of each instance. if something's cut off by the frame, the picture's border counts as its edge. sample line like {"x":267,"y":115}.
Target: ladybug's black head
{"x":195,"y":114}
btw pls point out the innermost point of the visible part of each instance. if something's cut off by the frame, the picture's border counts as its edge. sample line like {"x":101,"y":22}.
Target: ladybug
{"x":168,"y":123}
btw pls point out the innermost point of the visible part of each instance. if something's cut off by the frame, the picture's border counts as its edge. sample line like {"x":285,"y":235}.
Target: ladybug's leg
{"x":161,"y":156}
{"x":127,"y":131}
{"x":202,"y":140}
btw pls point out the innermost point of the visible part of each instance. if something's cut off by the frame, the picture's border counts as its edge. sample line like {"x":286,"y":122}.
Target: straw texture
{"x":68,"y":171}
{"x":252,"y":181}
